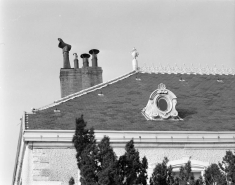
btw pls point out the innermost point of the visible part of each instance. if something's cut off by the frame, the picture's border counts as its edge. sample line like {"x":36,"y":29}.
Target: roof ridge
{"x":187,"y":70}
{"x":85,"y":91}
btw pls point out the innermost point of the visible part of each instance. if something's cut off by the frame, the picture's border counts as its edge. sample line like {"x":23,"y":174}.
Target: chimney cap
{"x":62,"y":44}
{"x":85,"y":55}
{"x":94,"y":51}
{"x":76,"y":55}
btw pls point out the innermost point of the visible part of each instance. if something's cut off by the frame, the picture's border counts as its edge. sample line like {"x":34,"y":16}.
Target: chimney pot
{"x":66,"y":48}
{"x":76,"y":65}
{"x":85,"y":57}
{"x":94,"y":59}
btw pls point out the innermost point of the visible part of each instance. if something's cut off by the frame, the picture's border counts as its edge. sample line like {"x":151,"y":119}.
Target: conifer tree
{"x":162,"y":175}
{"x":71,"y":181}
{"x":88,"y":169}
{"x":199,"y":181}
{"x":107,"y":160}
{"x":228,"y":166}
{"x":186,"y":175}
{"x":129,"y":165}
{"x":213,"y":175}
{"x":143,"y":176}
{"x":85,"y":145}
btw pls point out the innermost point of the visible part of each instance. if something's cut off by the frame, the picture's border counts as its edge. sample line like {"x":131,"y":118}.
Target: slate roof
{"x":204,"y":103}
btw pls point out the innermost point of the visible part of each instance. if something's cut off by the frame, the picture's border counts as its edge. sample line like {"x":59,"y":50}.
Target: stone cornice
{"x":140,"y":137}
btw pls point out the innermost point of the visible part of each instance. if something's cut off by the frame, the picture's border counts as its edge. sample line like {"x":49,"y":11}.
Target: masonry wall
{"x":70,"y":81}
{"x":50,"y":167}
{"x":27,"y":169}
{"x":75,"y":80}
{"x":91,"y":76}
{"x":55,"y":166}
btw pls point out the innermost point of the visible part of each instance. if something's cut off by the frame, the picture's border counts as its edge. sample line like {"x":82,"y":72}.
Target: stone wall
{"x":27,"y":169}
{"x":58,"y":165}
{"x":75,"y":80}
{"x":54,"y":165}
{"x":70,"y":81}
{"x":91,"y":76}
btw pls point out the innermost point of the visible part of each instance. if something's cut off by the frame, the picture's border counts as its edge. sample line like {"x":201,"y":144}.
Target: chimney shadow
{"x":186,"y":113}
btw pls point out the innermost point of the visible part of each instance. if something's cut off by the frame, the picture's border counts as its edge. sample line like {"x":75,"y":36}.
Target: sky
{"x":164,"y":32}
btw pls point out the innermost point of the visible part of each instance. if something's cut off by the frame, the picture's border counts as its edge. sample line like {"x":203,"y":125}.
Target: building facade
{"x":183,"y":114}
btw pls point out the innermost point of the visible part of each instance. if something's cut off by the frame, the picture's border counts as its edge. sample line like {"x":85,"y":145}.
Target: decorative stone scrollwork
{"x":161,"y":105}
{"x":185,"y":70}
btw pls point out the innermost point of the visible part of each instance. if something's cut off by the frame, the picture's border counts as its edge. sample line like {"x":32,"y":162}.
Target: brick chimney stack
{"x":76,"y":79}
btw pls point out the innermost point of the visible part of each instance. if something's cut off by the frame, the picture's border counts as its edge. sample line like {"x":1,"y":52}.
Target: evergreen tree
{"x":71,"y":181}
{"x":199,"y":181}
{"x":176,"y":181}
{"x":129,"y":165}
{"x":228,"y":166}
{"x":143,"y":176}
{"x":213,"y":175}
{"x":88,"y":169}
{"x":186,"y":175}
{"x":107,"y":163}
{"x":170,"y":175}
{"x":85,"y":145}
{"x":162,"y":175}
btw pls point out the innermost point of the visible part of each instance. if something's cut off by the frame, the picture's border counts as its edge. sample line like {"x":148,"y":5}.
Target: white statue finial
{"x":134,"y":54}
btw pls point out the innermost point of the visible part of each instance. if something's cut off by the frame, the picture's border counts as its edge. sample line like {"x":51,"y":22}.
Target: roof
{"x":205,"y":102}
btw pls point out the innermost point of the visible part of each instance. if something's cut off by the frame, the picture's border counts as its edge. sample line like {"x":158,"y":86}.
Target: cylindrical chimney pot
{"x":76,"y":65}
{"x":66,"y":48}
{"x":85,"y":57}
{"x":94,"y":59}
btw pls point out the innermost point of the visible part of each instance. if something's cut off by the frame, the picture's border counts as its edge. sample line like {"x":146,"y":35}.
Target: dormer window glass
{"x":162,"y":104}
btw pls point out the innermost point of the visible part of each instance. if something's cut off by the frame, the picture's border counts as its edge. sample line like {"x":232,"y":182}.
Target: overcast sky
{"x":165,"y":32}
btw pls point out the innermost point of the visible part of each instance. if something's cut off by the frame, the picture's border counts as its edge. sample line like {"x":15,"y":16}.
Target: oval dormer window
{"x":162,"y":104}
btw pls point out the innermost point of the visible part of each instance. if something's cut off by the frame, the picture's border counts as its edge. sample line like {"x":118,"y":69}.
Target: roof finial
{"x":135,"y":54}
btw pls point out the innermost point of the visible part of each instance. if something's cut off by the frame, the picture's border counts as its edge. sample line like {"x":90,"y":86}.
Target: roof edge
{"x":132,"y":131}
{"x":85,"y":91}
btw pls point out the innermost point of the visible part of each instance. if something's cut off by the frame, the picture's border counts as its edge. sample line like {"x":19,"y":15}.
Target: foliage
{"x":213,"y":175}
{"x":130,"y":169}
{"x":199,"y":181}
{"x":88,"y":165}
{"x":71,"y":181}
{"x":162,"y":175}
{"x":143,"y":176}
{"x":85,"y":145}
{"x":186,"y":174}
{"x":98,"y":164}
{"x":228,"y":166}
{"x":107,"y":160}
